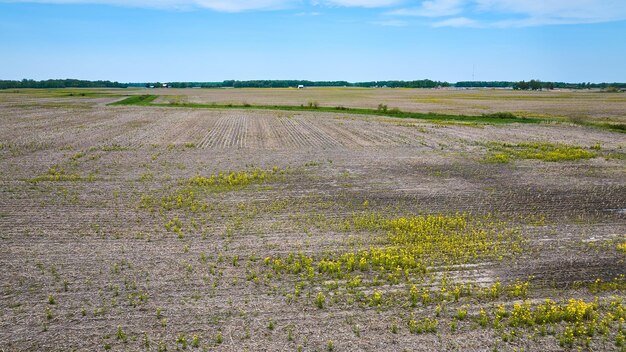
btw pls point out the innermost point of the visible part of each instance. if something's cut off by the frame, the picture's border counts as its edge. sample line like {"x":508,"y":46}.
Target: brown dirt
{"x":94,"y":236}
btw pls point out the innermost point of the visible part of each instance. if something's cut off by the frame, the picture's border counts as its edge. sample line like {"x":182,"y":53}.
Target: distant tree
{"x":521,"y":85}
{"x":534,"y":84}
{"x":612,"y":89}
{"x":487,"y":84}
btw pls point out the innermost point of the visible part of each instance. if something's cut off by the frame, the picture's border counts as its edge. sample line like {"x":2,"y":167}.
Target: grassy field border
{"x":147,"y":100}
{"x":486,"y":119}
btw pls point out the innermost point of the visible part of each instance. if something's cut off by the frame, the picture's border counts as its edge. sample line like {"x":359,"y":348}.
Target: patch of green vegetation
{"x":59,"y":174}
{"x":617,"y":284}
{"x":617,"y":127}
{"x":186,"y":195}
{"x":497,"y":158}
{"x":573,"y":322}
{"x":113,"y":148}
{"x":611,"y":126}
{"x":505,"y":152}
{"x":233,"y":179}
{"x":411,"y":251}
{"x":435,"y":239}
{"x":422,"y":326}
{"x":136,"y":100}
{"x":77,"y":156}
{"x":382,"y":110}
{"x":500,"y":115}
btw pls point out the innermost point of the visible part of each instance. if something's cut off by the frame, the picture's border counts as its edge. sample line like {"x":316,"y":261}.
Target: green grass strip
{"x":498,"y":118}
{"x":136,"y":100}
{"x":615,"y":127}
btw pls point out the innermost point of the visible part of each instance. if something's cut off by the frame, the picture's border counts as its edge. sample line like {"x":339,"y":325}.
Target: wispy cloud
{"x":442,"y":13}
{"x":216,"y":5}
{"x":359,"y":3}
{"x":542,"y":12}
{"x":516,"y":13}
{"x":223,"y":5}
{"x":457,"y":22}
{"x":308,"y":14}
{"x":432,"y":8}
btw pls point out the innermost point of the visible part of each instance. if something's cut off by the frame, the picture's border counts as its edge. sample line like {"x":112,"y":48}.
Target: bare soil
{"x":110,"y":264}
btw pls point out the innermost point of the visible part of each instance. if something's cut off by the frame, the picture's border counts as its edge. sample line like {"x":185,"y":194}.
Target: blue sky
{"x":354,"y":40}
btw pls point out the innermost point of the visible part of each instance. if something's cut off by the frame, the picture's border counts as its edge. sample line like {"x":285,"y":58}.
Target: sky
{"x":352,"y":40}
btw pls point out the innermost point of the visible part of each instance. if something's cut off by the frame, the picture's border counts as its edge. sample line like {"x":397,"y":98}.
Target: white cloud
{"x":516,"y":13}
{"x":222,"y":5}
{"x":308,"y":14}
{"x":242,"y":5}
{"x":457,"y":13}
{"x":432,"y":8}
{"x":457,"y":22}
{"x":539,"y":12}
{"x":217,"y":5}
{"x":535,"y":22}
{"x":359,"y":3}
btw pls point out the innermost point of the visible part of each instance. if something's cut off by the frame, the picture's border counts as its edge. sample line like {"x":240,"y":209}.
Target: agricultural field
{"x":208,"y":220}
{"x":559,"y":104}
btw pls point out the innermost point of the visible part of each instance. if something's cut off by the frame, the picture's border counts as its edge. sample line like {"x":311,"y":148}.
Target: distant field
{"x":560,"y":104}
{"x":592,"y":105}
{"x":158,"y":228}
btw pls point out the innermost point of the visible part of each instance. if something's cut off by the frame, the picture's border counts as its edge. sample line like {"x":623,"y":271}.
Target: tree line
{"x":534,"y":84}
{"x":424,"y":83}
{"x":59,"y":83}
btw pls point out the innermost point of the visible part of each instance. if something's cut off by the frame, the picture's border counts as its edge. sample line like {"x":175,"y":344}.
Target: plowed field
{"x":133,"y":228}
